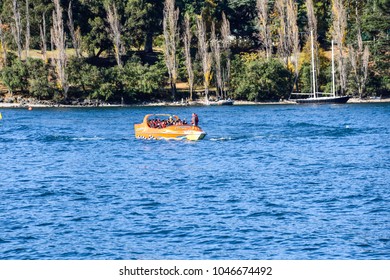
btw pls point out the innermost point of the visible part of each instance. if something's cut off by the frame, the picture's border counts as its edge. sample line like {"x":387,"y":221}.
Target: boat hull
{"x":178,"y":131}
{"x":184,"y":132}
{"x":223,"y":102}
{"x":324,"y":100}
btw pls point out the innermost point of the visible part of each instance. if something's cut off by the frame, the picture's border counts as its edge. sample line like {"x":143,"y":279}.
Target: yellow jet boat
{"x":166,"y":126}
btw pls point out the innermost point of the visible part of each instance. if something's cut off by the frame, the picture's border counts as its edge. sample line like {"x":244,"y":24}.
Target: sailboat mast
{"x":312,"y":64}
{"x":333,"y":81}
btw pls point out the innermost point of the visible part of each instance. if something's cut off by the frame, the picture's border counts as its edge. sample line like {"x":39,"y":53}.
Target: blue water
{"x":267,"y":182}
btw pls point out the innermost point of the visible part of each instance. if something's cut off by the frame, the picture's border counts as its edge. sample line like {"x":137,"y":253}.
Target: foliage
{"x":38,"y":73}
{"x":133,"y":81}
{"x":142,"y":79}
{"x":83,"y":75}
{"x":141,"y":22}
{"x":260,"y":79}
{"x":15,"y":75}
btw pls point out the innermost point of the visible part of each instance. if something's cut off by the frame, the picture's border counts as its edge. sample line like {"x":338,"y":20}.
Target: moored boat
{"x":323,"y":100}
{"x":166,"y":126}
{"x":315,"y":97}
{"x":221,"y":102}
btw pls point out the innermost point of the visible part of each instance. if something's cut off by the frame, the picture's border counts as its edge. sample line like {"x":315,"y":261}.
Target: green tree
{"x":83,"y":76}
{"x":260,"y":79}
{"x":143,"y":22}
{"x":375,"y":24}
{"x":15,"y":75}
{"x":94,"y":29}
{"x":38,"y":78}
{"x":140,"y":81}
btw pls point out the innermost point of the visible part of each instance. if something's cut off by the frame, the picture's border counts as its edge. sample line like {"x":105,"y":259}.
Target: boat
{"x":166,"y":126}
{"x":325,"y":98}
{"x":221,"y":102}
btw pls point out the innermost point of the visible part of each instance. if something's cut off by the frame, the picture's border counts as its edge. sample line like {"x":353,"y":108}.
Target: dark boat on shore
{"x":323,"y":100}
{"x":314,"y":97}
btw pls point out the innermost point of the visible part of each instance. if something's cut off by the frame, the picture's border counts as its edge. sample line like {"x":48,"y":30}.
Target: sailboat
{"x":314,"y":96}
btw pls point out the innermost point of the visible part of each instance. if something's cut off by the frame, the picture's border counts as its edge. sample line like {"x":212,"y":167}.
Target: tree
{"x":16,"y":27}
{"x":115,"y":27}
{"x":15,"y":75}
{"x":171,"y":33}
{"x":204,"y":54}
{"x":375,"y":22}
{"x":42,"y":32}
{"x":93,"y":27}
{"x":338,"y":32}
{"x":58,"y":37}
{"x":293,"y":35}
{"x":83,"y":75}
{"x":283,"y":46}
{"x":264,"y":29}
{"x":144,"y":21}
{"x":311,"y":18}
{"x":28,"y":32}
{"x":75,"y":34}
{"x":225,"y":32}
{"x":359,"y":58}
{"x":2,"y":43}
{"x":38,"y":82}
{"x":187,"y":53}
{"x":216,"y":51}
{"x":312,"y":25}
{"x":260,"y":79}
{"x":142,"y":79}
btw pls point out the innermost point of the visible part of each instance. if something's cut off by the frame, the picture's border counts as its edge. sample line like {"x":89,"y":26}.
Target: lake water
{"x":267,"y":182}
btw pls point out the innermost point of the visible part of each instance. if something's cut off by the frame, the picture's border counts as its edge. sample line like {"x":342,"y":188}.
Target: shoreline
{"x":171,"y":104}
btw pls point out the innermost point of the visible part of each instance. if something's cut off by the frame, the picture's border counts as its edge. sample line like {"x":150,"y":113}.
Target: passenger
{"x":195,"y":119}
{"x":170,"y":121}
{"x":164,"y":124}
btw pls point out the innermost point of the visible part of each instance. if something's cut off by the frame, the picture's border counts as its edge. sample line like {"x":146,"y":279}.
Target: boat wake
{"x":60,"y":138}
{"x":221,"y":139}
{"x":232,"y":138}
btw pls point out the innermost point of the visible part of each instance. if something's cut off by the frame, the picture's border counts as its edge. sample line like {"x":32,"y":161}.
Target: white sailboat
{"x":315,"y":97}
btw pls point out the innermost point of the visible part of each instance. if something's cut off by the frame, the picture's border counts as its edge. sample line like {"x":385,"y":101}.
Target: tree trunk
{"x":2,"y":42}
{"x":59,"y":41}
{"x":42,"y":30}
{"x":216,"y":49}
{"x":148,"y":48}
{"x":16,"y":28}
{"x":265,"y":32}
{"x":170,"y":28}
{"x":113,"y":20}
{"x":73,"y":34}
{"x":205,"y":56}
{"x":187,"y":53}
{"x":27,"y":29}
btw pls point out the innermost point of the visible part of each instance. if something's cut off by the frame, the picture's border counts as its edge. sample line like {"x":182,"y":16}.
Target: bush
{"x":83,"y":76}
{"x":259,"y":79}
{"x":38,"y":81}
{"x":141,"y":80}
{"x":15,"y":75}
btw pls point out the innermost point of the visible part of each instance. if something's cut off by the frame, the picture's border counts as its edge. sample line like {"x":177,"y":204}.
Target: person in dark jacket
{"x":195,"y":119}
